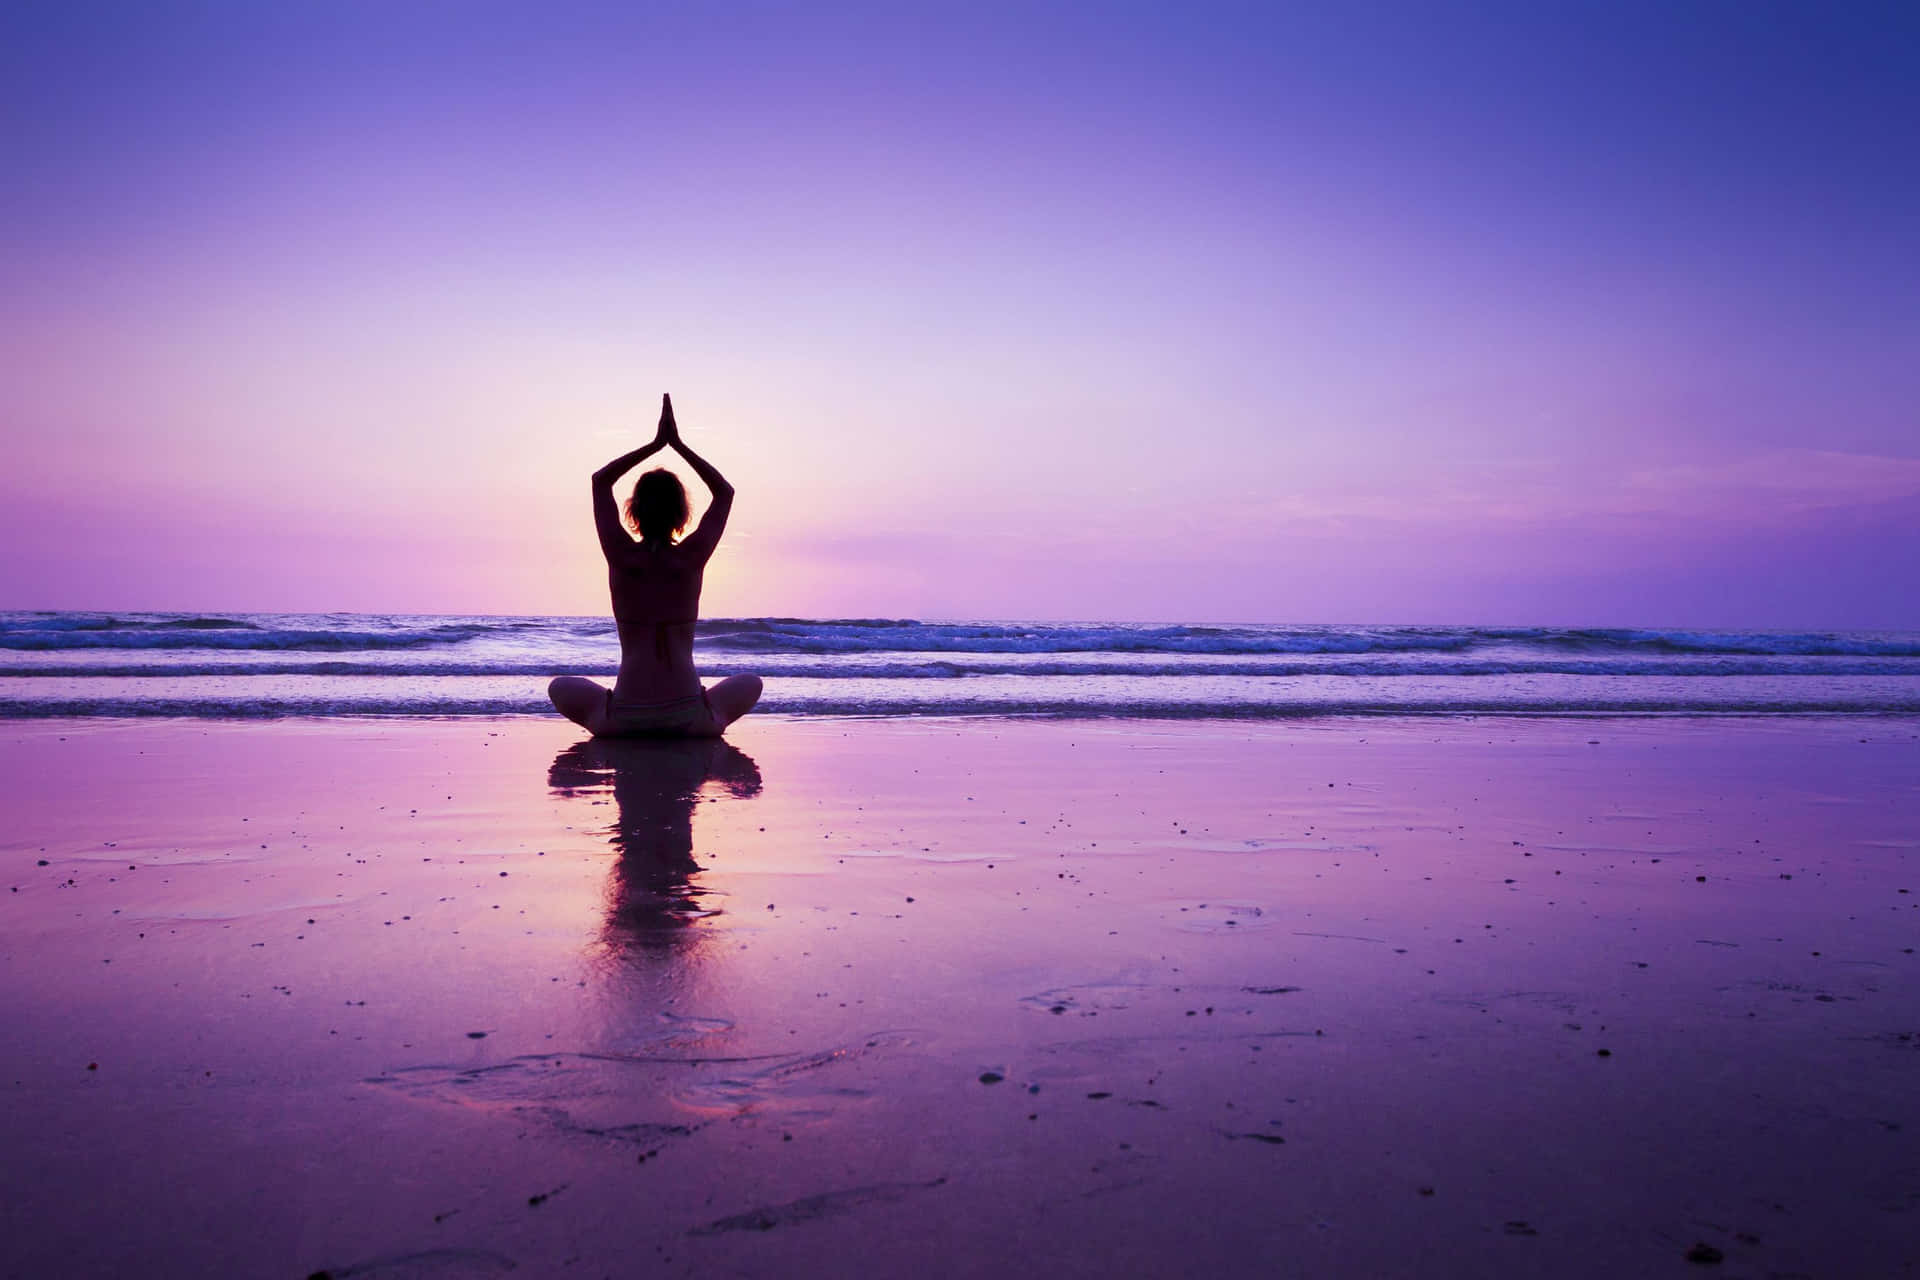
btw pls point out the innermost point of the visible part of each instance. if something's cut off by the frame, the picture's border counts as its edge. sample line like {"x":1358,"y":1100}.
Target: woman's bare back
{"x":656,"y":602}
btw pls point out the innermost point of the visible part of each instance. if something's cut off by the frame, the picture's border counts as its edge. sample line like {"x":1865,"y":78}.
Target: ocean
{"x":245,"y":665}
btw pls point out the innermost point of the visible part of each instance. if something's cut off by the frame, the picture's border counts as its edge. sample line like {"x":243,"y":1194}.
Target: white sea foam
{"x":341,"y":664}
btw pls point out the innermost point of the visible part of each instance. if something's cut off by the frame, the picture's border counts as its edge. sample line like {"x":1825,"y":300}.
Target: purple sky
{"x":1589,"y":314}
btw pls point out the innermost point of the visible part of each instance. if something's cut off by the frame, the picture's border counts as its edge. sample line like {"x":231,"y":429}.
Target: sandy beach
{"x":962,"y":997}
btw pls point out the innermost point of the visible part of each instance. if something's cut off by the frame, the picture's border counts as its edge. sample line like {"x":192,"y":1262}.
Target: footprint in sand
{"x":1217,"y":916}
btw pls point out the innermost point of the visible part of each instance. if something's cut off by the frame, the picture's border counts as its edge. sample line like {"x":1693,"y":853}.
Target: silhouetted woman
{"x":656,"y":600}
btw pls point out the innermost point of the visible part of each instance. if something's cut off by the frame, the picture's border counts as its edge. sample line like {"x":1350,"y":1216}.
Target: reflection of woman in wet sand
{"x":656,"y":787}
{"x":656,"y":600}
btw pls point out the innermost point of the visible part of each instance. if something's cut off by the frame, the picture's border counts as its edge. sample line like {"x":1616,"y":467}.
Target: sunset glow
{"x":1596,"y":316}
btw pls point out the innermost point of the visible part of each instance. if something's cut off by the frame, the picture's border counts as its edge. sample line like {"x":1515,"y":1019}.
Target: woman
{"x":656,"y":599}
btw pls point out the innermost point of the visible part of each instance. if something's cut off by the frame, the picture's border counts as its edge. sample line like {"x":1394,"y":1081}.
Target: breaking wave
{"x":222,"y":665}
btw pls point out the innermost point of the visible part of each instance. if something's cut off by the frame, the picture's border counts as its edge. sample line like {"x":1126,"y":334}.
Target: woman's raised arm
{"x":714,"y":521}
{"x":606,"y":513}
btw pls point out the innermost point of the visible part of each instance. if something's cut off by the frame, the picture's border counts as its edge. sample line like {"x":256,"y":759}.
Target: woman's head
{"x":658,"y":508}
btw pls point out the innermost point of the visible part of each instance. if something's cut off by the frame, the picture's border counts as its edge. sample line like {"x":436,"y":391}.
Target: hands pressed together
{"x":668,"y":437}
{"x":669,"y":432}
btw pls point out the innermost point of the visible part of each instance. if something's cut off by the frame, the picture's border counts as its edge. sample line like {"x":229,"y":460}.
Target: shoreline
{"x":1200,"y":718}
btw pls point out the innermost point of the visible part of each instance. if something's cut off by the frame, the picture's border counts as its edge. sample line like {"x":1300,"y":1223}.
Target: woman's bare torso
{"x":656,"y":599}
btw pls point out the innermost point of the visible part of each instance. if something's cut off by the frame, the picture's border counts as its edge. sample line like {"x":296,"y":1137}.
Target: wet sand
{"x":1368,"y":998}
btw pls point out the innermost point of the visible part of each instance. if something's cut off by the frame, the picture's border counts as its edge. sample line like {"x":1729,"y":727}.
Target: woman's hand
{"x":669,"y":433}
{"x":668,"y":437}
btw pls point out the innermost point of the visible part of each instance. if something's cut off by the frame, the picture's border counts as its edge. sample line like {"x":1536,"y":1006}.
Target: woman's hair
{"x":658,"y":507}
